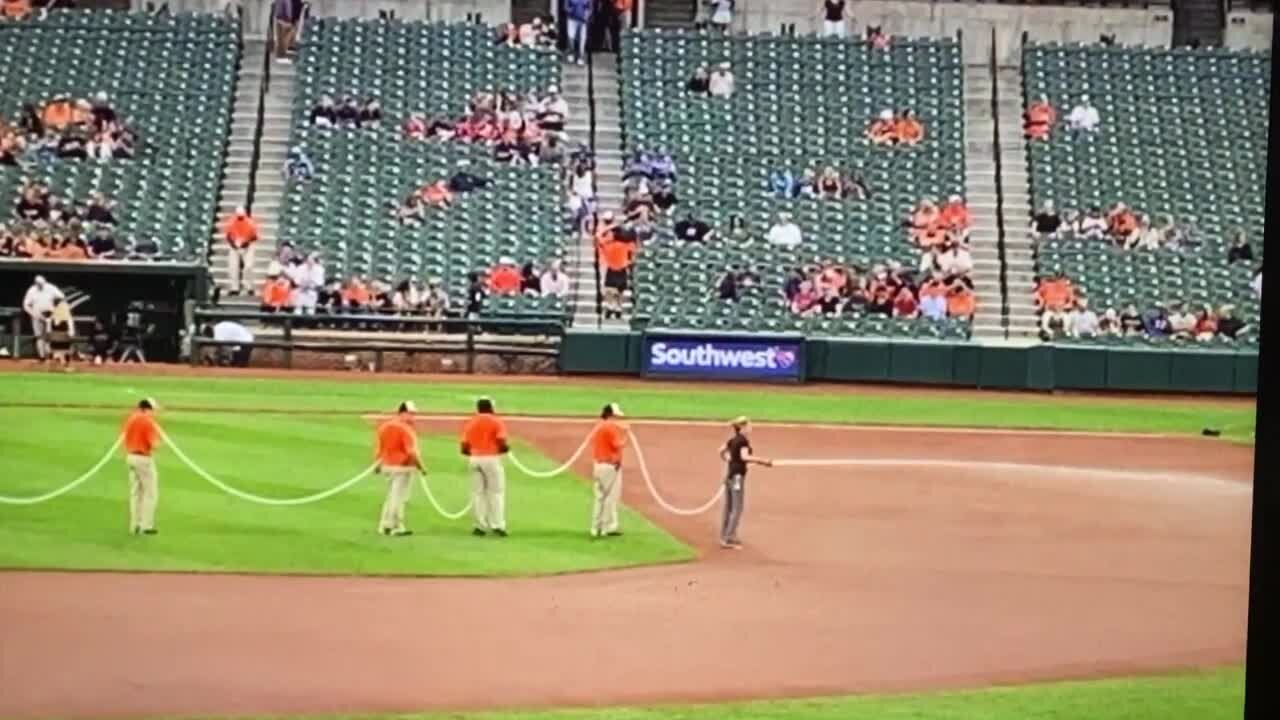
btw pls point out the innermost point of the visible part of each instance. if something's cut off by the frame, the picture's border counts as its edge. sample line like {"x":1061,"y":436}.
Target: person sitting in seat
{"x":828,"y":184}
{"x":102,"y":244}
{"x":905,"y":304}
{"x":785,"y":233}
{"x":411,"y":211}
{"x":99,"y":210}
{"x":1241,"y":250}
{"x":277,"y":294}
{"x":553,"y":111}
{"x":720,"y":82}
{"x":1092,"y":225}
{"x":415,"y":128}
{"x":73,"y":145}
{"x":1054,"y":293}
{"x":1182,"y":322}
{"x":1122,"y":226}
{"x":1206,"y":324}
{"x":1039,"y":119}
{"x":933,"y":297}
{"x":324,"y":114}
{"x":1047,"y":222}
{"x":554,"y":282}
{"x":805,"y":302}
{"x":926,"y":225}
{"x":1230,"y":326}
{"x":699,"y":82}
{"x":1084,"y":117}
{"x":356,"y":297}
{"x":955,"y":218}
{"x":962,"y":303}
{"x":348,"y":112}
{"x":504,"y":278}
{"x":1131,"y":321}
{"x":854,"y":187}
{"x":1082,"y":321}
{"x":908,"y":129}
{"x":877,"y":38}
{"x":15,"y":10}
{"x":883,"y":130}
{"x":691,"y":229}
{"x":370,"y":115}
{"x":1256,"y":284}
{"x":297,"y":166}
{"x":437,"y":194}
{"x":1148,"y":236}
{"x":33,"y":202}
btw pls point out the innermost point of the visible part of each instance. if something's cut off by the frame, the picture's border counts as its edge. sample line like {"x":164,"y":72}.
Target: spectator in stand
{"x":926,"y":225}
{"x":933,"y":297}
{"x":883,"y":130}
{"x":699,"y":82}
{"x":99,"y":210}
{"x":805,"y":301}
{"x":955,"y":218}
{"x":15,"y":10}
{"x":1148,"y":235}
{"x":553,"y":111}
{"x":854,"y":187}
{"x":828,"y":184}
{"x":1047,"y":221}
{"x":1241,"y":250}
{"x":1093,"y":225}
{"x":297,"y":166}
{"x":277,"y":294}
{"x":324,"y":114}
{"x":356,"y":296}
{"x":1155,"y":322}
{"x":309,"y":279}
{"x":1084,"y":117}
{"x":1039,"y":119}
{"x":477,"y":293}
{"x":727,"y":288}
{"x":554,"y":283}
{"x":1230,"y":326}
{"x":791,"y":285}
{"x":1109,"y":324}
{"x":721,"y":14}
{"x":1122,"y":225}
{"x":833,"y":18}
{"x":905,"y":304}
{"x":102,"y":244}
{"x":241,"y":233}
{"x":415,"y":128}
{"x":877,"y":38}
{"x":437,"y":194}
{"x":1206,"y":325}
{"x":1182,"y":322}
{"x":104,"y":116}
{"x":370,"y":113}
{"x":286,"y":14}
{"x":721,"y":82}
{"x":784,"y":232}
{"x":1053,"y":324}
{"x":577,"y":27}
{"x":1131,"y":321}
{"x":962,"y":303}
{"x":1082,"y":321}
{"x":955,"y":260}
{"x":664,"y":196}
{"x":411,"y":210}
{"x":1054,"y":293}
{"x":907,"y":129}
{"x":505,"y":278}
{"x":348,"y":112}
{"x":530,"y":279}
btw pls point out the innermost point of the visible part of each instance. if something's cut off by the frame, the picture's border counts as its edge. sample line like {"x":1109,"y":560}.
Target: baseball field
{"x":939,"y":554}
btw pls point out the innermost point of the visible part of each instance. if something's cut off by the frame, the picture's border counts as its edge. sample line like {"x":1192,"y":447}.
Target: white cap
{"x":408,"y":406}
{"x":617,"y":411}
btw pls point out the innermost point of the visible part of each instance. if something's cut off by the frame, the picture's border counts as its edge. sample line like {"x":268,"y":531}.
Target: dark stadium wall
{"x":257,"y":13}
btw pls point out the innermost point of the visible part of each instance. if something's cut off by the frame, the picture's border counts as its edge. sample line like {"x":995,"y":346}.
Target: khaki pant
{"x":284,"y":38}
{"x":488,"y":492}
{"x":399,"y":481}
{"x":144,"y":492}
{"x":608,"y":490}
{"x":240,"y":267}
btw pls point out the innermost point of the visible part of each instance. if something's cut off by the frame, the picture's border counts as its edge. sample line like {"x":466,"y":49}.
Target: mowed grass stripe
{"x":694,"y":402}
{"x":275,"y":456}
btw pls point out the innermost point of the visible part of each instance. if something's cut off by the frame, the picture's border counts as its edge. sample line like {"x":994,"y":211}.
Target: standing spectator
{"x":784,"y":232}
{"x":476,"y":295}
{"x":577,"y":27}
{"x":720,"y":82}
{"x":241,"y":233}
{"x":619,"y":15}
{"x":554,"y":283}
{"x":721,"y":15}
{"x":38,"y":304}
{"x":286,"y":14}
{"x":833,"y":19}
{"x":1084,"y":117}
{"x":1240,"y":250}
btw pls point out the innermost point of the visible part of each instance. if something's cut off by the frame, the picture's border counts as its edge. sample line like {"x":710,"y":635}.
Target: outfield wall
{"x":1040,"y":367}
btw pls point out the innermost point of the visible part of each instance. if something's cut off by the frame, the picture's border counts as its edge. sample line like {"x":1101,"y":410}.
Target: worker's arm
{"x":750,"y":459}
{"x":465,"y":448}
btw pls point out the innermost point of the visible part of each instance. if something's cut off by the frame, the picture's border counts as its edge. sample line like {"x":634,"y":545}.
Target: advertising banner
{"x":726,"y":358}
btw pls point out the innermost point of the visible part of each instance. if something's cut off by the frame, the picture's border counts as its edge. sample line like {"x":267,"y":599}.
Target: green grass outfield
{"x":279,"y":455}
{"x":1214,"y":695}
{"x":1235,"y":419}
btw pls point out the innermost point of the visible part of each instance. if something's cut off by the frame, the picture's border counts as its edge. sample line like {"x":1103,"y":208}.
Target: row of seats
{"x":797,"y":103}
{"x":361,"y":175}
{"x":1181,"y":138}
{"x":170,"y":78}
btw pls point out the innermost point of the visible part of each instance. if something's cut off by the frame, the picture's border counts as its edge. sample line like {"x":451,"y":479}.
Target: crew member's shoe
{"x":478,"y":532}
{"x":730,"y":545}
{"x":384,"y":531}
{"x":500,"y":533}
{"x":614,"y":533}
{"x":400,"y":532}
{"x":150,"y":531}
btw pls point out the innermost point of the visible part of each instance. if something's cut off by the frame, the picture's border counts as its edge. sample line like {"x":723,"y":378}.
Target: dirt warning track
{"x":854,"y":579}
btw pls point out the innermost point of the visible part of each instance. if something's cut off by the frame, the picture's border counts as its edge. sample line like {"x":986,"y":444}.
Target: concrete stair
{"x":1019,"y":245}
{"x":268,"y":175}
{"x":670,"y":13}
{"x":981,"y":196}
{"x":608,"y":154}
{"x":239,"y":159}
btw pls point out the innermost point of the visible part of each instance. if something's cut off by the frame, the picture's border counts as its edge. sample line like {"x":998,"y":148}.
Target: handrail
{"x":595,"y":175}
{"x":256,"y":158}
{"x":999,"y":165}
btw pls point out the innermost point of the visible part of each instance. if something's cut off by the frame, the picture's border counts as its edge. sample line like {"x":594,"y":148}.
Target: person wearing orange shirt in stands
{"x":908,"y":129}
{"x":926,"y":225}
{"x":484,"y":442}
{"x":141,"y":437}
{"x":16,"y":9}
{"x":355,"y":294}
{"x":1122,"y":223}
{"x":241,"y":232}
{"x":277,"y":294}
{"x":607,"y":442}
{"x":1054,"y":294}
{"x":505,"y":278}
{"x":1039,"y":120}
{"x":59,"y":114}
{"x":955,"y":217}
{"x":617,"y":256}
{"x":437,"y":194}
{"x":883,"y":130}
{"x":961,"y":302}
{"x":397,"y":458}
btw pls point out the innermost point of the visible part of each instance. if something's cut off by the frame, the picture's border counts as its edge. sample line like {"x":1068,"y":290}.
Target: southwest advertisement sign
{"x":728,"y":358}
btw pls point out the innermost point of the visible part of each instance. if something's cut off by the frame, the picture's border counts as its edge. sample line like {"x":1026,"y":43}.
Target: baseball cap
{"x":147,"y":403}
{"x":616,"y":410}
{"x":740,"y":421}
{"x":408,"y":406}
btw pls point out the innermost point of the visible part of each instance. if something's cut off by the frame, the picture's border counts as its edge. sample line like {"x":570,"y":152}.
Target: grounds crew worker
{"x":398,"y":457}
{"x":607,"y":442}
{"x":141,"y":438}
{"x":484,"y":442}
{"x":737,"y":455}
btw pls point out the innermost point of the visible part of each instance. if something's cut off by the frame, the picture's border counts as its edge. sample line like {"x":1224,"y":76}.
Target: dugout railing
{"x":380,"y":336}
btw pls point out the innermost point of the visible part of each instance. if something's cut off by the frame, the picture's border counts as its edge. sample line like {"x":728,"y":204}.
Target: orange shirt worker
{"x":141,"y":438}
{"x":607,"y":442}
{"x":398,"y":457}
{"x":484,"y":442}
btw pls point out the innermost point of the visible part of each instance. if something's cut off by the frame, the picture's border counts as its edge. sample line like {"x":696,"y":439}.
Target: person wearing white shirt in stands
{"x":720,"y":83}
{"x":233,"y":332}
{"x":784,"y":232}
{"x":308,"y":279}
{"x":554,"y":283}
{"x":1081,"y":322}
{"x":37,"y":304}
{"x":1084,"y":116}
